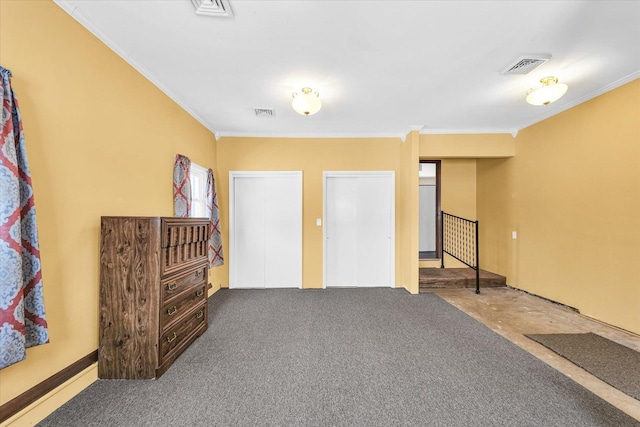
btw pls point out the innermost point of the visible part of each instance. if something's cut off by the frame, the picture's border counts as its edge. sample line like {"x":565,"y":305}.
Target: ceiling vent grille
{"x":264,"y":112}
{"x":212,"y":7}
{"x":525,"y":64}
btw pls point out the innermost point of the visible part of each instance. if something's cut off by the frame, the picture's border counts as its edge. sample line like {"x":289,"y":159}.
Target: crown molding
{"x":72,"y":10}
{"x":347,"y":135}
{"x":611,"y":86}
{"x":483,"y":131}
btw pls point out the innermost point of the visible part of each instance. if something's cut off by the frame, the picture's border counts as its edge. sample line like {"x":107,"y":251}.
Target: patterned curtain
{"x":216,"y":257}
{"x":181,"y":186}
{"x":22,"y":319}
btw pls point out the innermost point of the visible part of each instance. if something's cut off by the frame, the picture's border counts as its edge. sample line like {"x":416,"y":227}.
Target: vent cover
{"x":264,"y":112}
{"x":212,"y":7}
{"x":525,"y":64}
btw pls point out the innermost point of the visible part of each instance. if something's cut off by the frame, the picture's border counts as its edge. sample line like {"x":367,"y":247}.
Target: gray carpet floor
{"x":343,"y":357}
{"x":613,"y":363}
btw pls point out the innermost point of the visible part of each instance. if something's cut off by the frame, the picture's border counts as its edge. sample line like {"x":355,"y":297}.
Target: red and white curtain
{"x":22,"y":316}
{"x":182,"y":205}
{"x":216,"y":257}
{"x":181,"y":186}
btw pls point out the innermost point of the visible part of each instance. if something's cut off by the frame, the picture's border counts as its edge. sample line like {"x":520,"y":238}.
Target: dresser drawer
{"x":176,"y":258}
{"x":179,"y":306}
{"x":176,"y":233}
{"x":180,"y":333}
{"x":174,"y":286}
{"x":183,"y":243}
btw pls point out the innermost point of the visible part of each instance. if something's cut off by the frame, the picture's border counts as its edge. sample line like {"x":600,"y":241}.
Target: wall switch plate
{"x":319,"y":222}
{"x":514,"y":235}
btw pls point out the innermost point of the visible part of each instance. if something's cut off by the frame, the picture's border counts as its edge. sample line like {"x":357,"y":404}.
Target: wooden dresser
{"x":153,"y":293}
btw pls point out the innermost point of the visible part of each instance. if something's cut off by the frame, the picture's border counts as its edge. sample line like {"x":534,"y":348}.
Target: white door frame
{"x":256,"y":174}
{"x":337,"y":174}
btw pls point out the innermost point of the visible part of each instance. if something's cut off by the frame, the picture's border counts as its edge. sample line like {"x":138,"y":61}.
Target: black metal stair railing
{"x":460,"y":240}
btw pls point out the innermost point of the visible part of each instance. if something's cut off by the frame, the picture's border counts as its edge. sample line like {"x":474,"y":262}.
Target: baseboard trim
{"x":213,"y":289}
{"x":20,"y":402}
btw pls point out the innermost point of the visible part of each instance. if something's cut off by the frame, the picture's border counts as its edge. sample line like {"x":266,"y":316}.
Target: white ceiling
{"x":382,"y":68}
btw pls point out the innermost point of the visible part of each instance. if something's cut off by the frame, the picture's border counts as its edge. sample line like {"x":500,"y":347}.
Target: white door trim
{"x":256,"y":174}
{"x":337,"y":174}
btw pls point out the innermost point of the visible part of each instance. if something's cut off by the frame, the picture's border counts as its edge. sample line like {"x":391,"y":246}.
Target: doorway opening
{"x":430,"y":212}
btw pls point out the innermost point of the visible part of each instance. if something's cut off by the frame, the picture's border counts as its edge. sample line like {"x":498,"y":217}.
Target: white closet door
{"x":265,"y":229}
{"x":359,"y":225}
{"x":248,"y":234}
{"x":374,"y":231}
{"x":283,"y":232}
{"x":341,"y":231}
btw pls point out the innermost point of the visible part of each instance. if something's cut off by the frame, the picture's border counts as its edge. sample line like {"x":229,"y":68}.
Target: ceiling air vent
{"x":525,"y":64}
{"x":264,"y":112}
{"x":212,"y":7}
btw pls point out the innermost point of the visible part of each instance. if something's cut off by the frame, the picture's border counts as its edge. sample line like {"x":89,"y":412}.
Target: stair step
{"x":455,"y":278}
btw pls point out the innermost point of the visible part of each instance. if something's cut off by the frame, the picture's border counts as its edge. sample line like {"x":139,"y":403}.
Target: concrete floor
{"x":513,"y":313}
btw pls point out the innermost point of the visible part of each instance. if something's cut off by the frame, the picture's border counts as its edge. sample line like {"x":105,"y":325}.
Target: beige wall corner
{"x":213,"y":290}
{"x":407,"y":219}
{"x":572,"y":194}
{"x":439,"y":146}
{"x":218,"y":275}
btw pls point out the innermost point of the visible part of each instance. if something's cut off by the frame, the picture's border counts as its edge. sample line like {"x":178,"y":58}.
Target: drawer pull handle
{"x":200,"y":292}
{"x":172,"y":310}
{"x":200,"y":314}
{"x":172,"y":337}
{"x":199,"y":273}
{"x":173,"y":286}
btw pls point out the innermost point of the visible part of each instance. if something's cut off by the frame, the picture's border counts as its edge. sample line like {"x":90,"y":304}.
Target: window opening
{"x":198,"y":178}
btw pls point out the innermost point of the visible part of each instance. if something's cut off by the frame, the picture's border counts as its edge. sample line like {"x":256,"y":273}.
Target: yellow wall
{"x":572,"y":192}
{"x":313,"y":157}
{"x":101,"y":140}
{"x":458,"y":182}
{"x":437,"y":146}
{"x":407,"y":219}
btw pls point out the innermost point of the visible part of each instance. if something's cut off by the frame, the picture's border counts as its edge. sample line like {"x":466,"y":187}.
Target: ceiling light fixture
{"x":550,"y":91}
{"x":306,"y":101}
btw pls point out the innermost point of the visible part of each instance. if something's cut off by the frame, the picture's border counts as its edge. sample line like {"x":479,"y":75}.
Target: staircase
{"x":457,"y":278}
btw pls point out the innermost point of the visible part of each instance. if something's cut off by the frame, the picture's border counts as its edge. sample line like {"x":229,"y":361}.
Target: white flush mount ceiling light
{"x":306,"y":101}
{"x":549,"y":92}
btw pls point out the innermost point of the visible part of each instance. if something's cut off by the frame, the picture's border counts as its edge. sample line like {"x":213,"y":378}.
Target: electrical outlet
{"x":514,"y":235}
